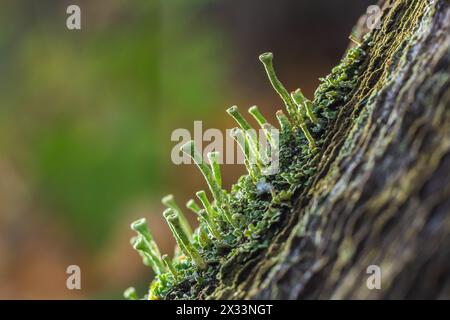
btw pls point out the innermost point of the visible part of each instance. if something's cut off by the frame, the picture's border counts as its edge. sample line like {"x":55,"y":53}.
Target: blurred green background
{"x":86,"y":118}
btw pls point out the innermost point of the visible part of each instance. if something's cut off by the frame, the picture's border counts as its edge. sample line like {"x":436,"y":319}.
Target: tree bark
{"x":382,"y":193}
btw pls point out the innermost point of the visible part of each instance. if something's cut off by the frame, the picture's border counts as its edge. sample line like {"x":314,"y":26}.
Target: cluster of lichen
{"x":244,"y":219}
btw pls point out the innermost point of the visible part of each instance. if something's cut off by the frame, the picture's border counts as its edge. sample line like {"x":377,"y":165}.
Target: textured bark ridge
{"x":382,"y":192}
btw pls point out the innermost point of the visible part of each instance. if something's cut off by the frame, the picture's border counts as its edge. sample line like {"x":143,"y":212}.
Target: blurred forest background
{"x":86,"y":118}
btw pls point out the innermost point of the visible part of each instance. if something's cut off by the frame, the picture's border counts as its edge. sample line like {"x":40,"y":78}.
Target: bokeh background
{"x":86,"y":118}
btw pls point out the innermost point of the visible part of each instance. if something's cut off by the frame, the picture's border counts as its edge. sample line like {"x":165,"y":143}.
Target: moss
{"x":260,"y":206}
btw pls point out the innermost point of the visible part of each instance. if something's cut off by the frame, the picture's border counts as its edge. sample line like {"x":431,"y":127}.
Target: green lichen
{"x":239,"y":224}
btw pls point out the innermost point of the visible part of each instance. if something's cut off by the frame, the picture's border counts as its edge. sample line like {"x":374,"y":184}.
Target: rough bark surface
{"x":382,"y":194}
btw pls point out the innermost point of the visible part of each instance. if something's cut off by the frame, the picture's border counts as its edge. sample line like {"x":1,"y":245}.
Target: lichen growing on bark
{"x":239,"y":225}
{"x":373,"y":189}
